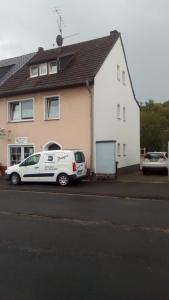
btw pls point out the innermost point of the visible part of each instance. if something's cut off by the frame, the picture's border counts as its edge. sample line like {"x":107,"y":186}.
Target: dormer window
{"x":43,"y":69}
{"x":34,"y":71}
{"x":53,"y":67}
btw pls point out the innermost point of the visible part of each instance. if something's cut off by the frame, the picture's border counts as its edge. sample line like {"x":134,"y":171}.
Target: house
{"x":76,"y":96}
{"x":10,"y":66}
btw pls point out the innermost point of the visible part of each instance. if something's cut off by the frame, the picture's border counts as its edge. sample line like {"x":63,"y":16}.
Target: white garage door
{"x":105,"y":157}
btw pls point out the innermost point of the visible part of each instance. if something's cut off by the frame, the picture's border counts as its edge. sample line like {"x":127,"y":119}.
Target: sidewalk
{"x":126,"y":186}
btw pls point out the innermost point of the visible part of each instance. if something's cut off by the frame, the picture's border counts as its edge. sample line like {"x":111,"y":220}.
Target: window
{"x":52,"y":67}
{"x":124,"y":114}
{"x":30,"y":161}
{"x":118,"y":149}
{"x":79,"y":157}
{"x":34,"y":72}
{"x":124,"y":149}
{"x":118,"y":72}
{"x":18,"y":153}
{"x":123,"y":78}
{"x":20,"y":110}
{"x":43,"y":69}
{"x":52,"y":108}
{"x":118,"y":111}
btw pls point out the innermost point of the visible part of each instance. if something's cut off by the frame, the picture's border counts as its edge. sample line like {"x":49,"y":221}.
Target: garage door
{"x":105,"y":157}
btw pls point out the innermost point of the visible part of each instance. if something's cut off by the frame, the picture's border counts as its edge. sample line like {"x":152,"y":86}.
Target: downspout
{"x":91,"y":125}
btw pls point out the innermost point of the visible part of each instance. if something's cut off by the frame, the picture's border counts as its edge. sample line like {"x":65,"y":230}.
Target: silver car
{"x":155,"y":161}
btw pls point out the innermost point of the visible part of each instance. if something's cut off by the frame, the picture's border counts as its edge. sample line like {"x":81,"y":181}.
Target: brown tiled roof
{"x":85,"y":59}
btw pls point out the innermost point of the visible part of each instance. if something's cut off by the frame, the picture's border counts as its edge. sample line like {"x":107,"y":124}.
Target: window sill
{"x":52,"y":119}
{"x":33,"y":76}
{"x":43,"y":74}
{"x":20,"y":121}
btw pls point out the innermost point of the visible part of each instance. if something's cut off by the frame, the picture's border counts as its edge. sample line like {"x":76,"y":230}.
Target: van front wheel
{"x":63,"y":180}
{"x":15,"y":179}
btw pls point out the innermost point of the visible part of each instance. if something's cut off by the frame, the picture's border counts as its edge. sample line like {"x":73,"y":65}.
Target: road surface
{"x":61,"y":246}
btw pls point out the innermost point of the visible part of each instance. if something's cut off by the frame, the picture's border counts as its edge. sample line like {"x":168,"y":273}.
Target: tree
{"x":154,"y":126}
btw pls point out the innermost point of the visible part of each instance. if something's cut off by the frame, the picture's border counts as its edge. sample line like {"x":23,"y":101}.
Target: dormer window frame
{"x":50,"y":68}
{"x":33,"y":67}
{"x":40,"y":69}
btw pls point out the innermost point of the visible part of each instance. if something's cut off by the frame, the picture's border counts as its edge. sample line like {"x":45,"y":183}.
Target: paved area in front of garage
{"x":139,"y":177}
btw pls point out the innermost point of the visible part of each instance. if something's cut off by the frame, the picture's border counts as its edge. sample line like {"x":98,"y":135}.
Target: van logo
{"x":63,"y":157}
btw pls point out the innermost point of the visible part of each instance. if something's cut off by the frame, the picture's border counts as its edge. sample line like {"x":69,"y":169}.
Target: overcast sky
{"x":144,"y":24}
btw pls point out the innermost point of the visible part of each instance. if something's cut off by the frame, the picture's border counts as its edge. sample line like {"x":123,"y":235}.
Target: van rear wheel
{"x":63,"y":180}
{"x":15,"y":179}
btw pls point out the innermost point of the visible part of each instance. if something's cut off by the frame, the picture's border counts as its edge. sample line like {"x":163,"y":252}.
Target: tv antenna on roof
{"x":60,"y":23}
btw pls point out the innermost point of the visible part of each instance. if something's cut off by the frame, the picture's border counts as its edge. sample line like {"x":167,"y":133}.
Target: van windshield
{"x":79,"y":157}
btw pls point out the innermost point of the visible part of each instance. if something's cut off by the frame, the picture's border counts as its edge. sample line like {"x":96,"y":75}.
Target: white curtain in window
{"x":14,"y":111}
{"x":52,"y":107}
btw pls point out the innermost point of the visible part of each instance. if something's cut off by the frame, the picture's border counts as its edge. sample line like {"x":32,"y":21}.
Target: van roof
{"x":56,"y":151}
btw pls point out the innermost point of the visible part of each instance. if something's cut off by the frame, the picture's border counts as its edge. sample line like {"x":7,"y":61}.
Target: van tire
{"x":15,"y":179}
{"x":63,"y":179}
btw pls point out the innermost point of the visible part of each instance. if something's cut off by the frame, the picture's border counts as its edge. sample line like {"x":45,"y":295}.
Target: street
{"x":70,"y":246}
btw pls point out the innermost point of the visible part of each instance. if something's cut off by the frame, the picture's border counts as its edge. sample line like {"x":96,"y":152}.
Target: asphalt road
{"x":60,"y":246}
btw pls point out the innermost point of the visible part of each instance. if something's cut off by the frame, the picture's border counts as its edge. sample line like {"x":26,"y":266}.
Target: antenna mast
{"x":60,"y":23}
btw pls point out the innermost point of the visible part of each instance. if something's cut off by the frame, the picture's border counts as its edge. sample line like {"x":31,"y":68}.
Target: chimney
{"x":40,"y":49}
{"x":114,"y":32}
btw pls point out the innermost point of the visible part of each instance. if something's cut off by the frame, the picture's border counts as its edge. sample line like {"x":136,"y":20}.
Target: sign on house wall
{"x":21,"y":140}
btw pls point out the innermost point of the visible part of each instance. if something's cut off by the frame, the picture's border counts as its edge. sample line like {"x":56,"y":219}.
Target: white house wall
{"x":108,"y":93}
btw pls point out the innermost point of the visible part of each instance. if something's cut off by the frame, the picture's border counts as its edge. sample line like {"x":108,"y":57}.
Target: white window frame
{"x":118,"y":72}
{"x":22,"y":152}
{"x":40,"y":69}
{"x":46,"y":118}
{"x":30,"y":69}
{"x":50,"y":69}
{"x":118,"y":112}
{"x":19,"y":120}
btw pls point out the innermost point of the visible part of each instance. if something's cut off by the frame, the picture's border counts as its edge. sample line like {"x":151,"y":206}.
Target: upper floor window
{"x":34,"y":71}
{"x":124,"y":114}
{"x":20,"y":110}
{"x":118,"y":111}
{"x":43,"y":69}
{"x":52,"y":109}
{"x":124,"y":149}
{"x":52,"y":67}
{"x":123,"y":78}
{"x":118,"y":72}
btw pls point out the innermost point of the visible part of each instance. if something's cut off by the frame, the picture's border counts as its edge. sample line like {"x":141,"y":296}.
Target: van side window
{"x":79,"y":157}
{"x":32,"y":160}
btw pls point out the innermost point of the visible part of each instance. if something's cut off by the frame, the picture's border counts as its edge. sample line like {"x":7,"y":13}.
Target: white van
{"x":61,"y":166}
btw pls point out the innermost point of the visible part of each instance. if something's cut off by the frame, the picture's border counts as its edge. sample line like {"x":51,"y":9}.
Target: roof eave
{"x":43,"y":89}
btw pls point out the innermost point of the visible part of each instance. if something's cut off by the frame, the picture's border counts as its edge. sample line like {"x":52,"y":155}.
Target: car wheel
{"x":15,"y":179}
{"x":144,"y":172}
{"x":63,"y":180}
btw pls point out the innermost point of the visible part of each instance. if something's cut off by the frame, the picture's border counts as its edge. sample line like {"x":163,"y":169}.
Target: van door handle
{"x":36,"y":167}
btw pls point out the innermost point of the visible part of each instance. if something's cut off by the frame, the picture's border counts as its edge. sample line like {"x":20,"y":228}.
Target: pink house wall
{"x":72,"y":130}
